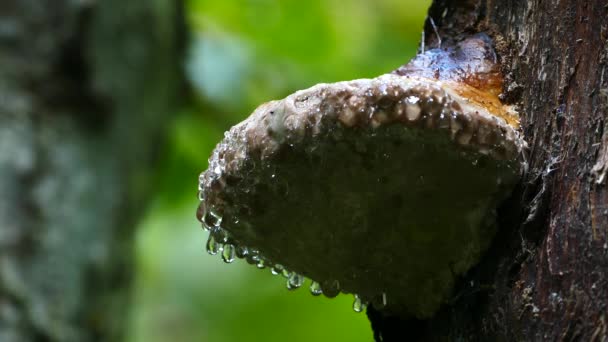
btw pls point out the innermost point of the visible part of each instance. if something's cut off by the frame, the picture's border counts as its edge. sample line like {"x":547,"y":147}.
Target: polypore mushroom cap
{"x":385,"y":188}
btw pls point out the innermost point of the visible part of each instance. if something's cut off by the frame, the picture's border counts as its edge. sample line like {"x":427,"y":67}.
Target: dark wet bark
{"x":85,"y":90}
{"x":546,"y":275}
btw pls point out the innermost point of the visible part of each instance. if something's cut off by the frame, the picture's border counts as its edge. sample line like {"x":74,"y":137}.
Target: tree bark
{"x":546,"y":275}
{"x":85,"y":90}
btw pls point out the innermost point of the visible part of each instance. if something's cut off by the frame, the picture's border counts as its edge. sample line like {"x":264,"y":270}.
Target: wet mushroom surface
{"x":385,"y":188}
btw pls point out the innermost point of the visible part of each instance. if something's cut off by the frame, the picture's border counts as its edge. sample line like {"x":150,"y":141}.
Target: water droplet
{"x":241,"y":252}
{"x":212,"y":245}
{"x":261,"y":264}
{"x":383,"y":90}
{"x":277,"y":269}
{"x":286,"y":273}
{"x":228,"y":253}
{"x":221,"y":235}
{"x":295,"y":281}
{"x":315,"y":288}
{"x":358,"y":305}
{"x":201,"y":195}
{"x":212,"y":219}
{"x":331,"y":288}
{"x":200,"y":213}
{"x":253,"y":258}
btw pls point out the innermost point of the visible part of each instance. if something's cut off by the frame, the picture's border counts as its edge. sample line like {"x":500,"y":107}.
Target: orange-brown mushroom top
{"x":469,"y":69}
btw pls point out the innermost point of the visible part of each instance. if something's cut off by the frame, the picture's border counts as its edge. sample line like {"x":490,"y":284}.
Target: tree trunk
{"x":85,"y":90}
{"x":546,"y":275}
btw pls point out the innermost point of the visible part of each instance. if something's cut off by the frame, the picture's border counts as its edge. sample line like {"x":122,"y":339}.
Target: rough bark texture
{"x":85,"y":88}
{"x":546,"y":276}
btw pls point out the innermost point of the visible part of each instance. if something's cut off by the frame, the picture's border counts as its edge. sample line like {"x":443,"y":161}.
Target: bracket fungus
{"x":385,"y":188}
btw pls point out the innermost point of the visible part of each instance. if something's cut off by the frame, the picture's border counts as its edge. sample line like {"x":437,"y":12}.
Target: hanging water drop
{"x":261,"y":264}
{"x":200,"y":213}
{"x":277,"y":269}
{"x":241,"y":252}
{"x":212,"y":245}
{"x":212,"y":219}
{"x":221,"y":235}
{"x":295,"y":281}
{"x":253,"y":258}
{"x":315,"y":288}
{"x":331,"y":288}
{"x":358,"y":305}
{"x":286,"y":273}
{"x":228,"y":253}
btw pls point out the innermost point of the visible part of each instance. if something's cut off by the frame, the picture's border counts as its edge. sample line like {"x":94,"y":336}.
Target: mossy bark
{"x":85,"y":90}
{"x":546,"y":275}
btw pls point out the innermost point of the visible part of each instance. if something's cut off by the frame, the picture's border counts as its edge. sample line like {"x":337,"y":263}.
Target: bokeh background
{"x":243,"y":53}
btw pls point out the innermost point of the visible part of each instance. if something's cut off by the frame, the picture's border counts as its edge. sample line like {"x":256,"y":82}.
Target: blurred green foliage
{"x":243,"y":53}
